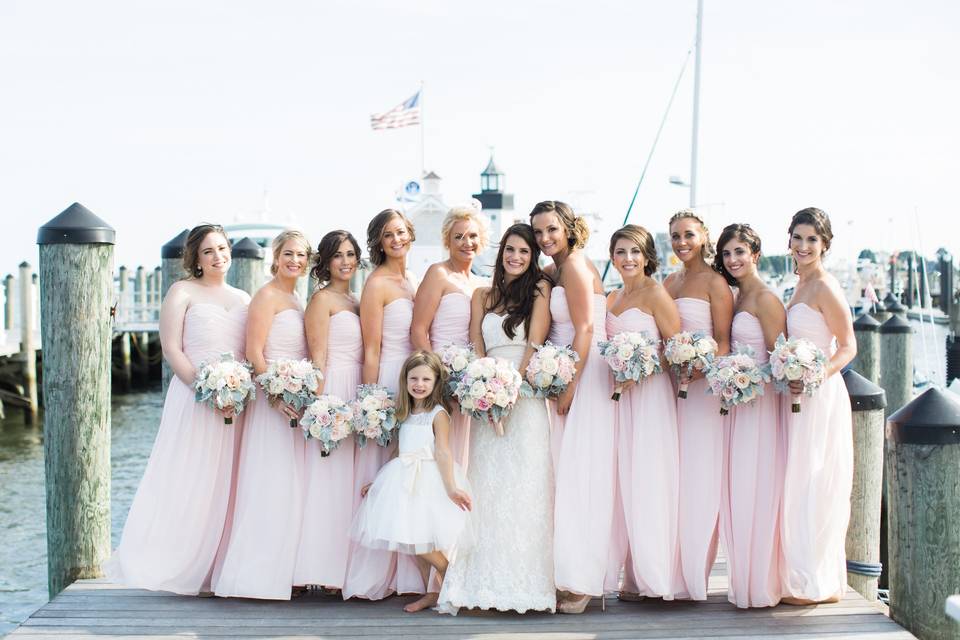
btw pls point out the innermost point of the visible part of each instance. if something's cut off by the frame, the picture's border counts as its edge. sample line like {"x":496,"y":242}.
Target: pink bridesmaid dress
{"x":819,"y":476}
{"x":752,"y":486}
{"x":328,"y":481}
{"x":648,"y":472}
{"x":451,"y":325}
{"x":179,"y":519}
{"x":262,"y":551}
{"x":584,"y":448}
{"x":701,"y":465}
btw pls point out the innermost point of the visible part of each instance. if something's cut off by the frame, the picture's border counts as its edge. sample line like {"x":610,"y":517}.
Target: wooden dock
{"x":96,"y":609}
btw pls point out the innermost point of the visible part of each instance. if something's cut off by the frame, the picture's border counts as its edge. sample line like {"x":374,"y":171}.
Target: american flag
{"x":405,"y":114}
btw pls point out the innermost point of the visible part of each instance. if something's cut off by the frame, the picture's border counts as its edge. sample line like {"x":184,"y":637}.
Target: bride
{"x":510,"y":564}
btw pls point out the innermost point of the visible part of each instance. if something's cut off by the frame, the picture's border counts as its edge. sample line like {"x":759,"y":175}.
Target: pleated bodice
{"x":209,"y":331}
{"x":804,"y":321}
{"x":397,"y":317}
{"x":632,"y":319}
{"x":344,"y":341}
{"x":746,"y":330}
{"x":695,"y":315}
{"x":451,"y":324}
{"x":286,"y":338}
{"x":561,"y":329}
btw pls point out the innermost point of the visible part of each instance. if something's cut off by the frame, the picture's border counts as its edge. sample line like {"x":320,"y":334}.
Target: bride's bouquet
{"x":689,"y":351}
{"x":737,"y":378}
{"x":550,"y":371}
{"x":631,"y":355}
{"x":329,"y":420}
{"x":374,"y":415}
{"x":797,"y":359}
{"x":455,"y":359}
{"x":292,"y":381}
{"x":226,"y":385}
{"x":488,"y":390}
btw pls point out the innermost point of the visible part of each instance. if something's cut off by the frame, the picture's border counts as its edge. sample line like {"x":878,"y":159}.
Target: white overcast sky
{"x":160,"y":115}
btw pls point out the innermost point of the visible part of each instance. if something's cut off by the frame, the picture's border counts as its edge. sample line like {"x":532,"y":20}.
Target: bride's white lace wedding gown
{"x":510,"y":563}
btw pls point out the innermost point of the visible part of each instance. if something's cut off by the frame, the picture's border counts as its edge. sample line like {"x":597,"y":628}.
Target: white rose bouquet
{"x":631,"y":355}
{"x":689,"y":351}
{"x":796,"y":359}
{"x":488,"y":390}
{"x":374,"y":415}
{"x":455,"y":359}
{"x":226,"y":385}
{"x":292,"y":381}
{"x":550,"y":371}
{"x":329,"y":420}
{"x":737,"y":378}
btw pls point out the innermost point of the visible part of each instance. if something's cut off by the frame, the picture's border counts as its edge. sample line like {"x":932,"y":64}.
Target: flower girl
{"x":418,"y":502}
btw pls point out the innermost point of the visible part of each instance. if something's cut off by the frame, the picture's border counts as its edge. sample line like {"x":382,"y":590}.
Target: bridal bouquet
{"x":226,"y":385}
{"x":455,"y":359}
{"x":549,"y":371}
{"x":689,"y":351}
{"x":632,"y":355}
{"x":329,"y":420}
{"x":292,"y":381}
{"x":737,"y":378}
{"x":488,"y":390}
{"x":374,"y":415}
{"x":797,"y":359}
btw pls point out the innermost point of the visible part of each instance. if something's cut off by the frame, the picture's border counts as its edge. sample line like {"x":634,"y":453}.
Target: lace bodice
{"x":416,"y":432}
{"x":495,"y":339}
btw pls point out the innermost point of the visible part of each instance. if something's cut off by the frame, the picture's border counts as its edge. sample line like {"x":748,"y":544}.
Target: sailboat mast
{"x":696,"y":108}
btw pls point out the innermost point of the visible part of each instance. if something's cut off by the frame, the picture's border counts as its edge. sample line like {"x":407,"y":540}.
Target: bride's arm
{"x":477,"y":312}
{"x":539,"y":322}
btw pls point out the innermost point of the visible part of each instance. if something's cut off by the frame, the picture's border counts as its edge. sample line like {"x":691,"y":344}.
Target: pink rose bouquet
{"x":329,"y":420}
{"x":488,"y":390}
{"x":455,"y":359}
{"x":374,"y":415}
{"x":631,"y":355}
{"x":737,"y":378}
{"x":292,"y":381}
{"x":226,"y":385}
{"x":550,"y":371}
{"x":689,"y":351}
{"x":796,"y":359}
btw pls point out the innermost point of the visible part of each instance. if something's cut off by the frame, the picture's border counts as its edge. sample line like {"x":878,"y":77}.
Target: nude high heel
{"x":574,"y":605}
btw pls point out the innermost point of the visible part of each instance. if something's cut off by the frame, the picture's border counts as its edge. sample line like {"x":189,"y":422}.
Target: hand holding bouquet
{"x":374,"y":415}
{"x":329,"y":420}
{"x":737,"y":378}
{"x":689,"y":351}
{"x":550,"y":371}
{"x":293,"y":382}
{"x":488,"y":390}
{"x":797,"y":360}
{"x":226,"y":385}
{"x":631,"y":355}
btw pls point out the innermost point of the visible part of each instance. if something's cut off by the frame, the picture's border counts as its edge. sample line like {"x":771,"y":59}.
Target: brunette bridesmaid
{"x":583,"y":439}
{"x":706,"y":304}
{"x":754,"y":450}
{"x":332,"y":327}
{"x":265,"y":539}
{"x":819,"y":469}
{"x":386,"y":312}
{"x":179,"y":517}
{"x":648,"y":458}
{"x":441,"y":313}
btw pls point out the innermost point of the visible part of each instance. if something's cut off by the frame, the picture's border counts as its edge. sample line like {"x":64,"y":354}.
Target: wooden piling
{"x":923,"y":440}
{"x":142,"y":338}
{"x":946,"y":280}
{"x":8,"y":302}
{"x":896,"y":309}
{"x":246,"y":270}
{"x":126,"y":369}
{"x":35,"y":296}
{"x":896,"y":354}
{"x":867,"y":401}
{"x":76,"y":274}
{"x":171,"y":265}
{"x":867,"y":361}
{"x":157,"y":287}
{"x":28,"y":349}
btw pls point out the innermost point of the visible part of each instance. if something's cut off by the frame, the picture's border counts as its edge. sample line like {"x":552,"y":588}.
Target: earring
{"x":198,"y":271}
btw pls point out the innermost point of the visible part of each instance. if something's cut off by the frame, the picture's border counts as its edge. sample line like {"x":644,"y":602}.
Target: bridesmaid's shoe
{"x":574,"y":604}
{"x":630,"y":596}
{"x":803,"y":602}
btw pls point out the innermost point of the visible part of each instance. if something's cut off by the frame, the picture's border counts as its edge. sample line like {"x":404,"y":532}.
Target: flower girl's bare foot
{"x":425,"y":602}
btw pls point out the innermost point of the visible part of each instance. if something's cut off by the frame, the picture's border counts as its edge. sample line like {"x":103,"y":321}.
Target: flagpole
{"x":423,"y":157}
{"x":696,"y":108}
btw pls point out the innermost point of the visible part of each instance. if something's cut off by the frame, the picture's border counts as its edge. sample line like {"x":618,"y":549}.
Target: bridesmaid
{"x":332,"y":327}
{"x":441,"y":313}
{"x":583,"y":438}
{"x":754,"y":456}
{"x":648,"y":458}
{"x":386,"y":311}
{"x":263,"y":545}
{"x":705,"y":303}
{"x":179,"y":517}
{"x":819,"y":470}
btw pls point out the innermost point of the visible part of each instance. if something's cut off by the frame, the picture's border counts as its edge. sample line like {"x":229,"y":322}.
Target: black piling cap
{"x":887,"y":299}
{"x":76,"y":225}
{"x":895,"y":307}
{"x":246,"y":248}
{"x":933,"y":417}
{"x":895,"y":324}
{"x":866,"y":322}
{"x":864,"y":395}
{"x":174,"y":248}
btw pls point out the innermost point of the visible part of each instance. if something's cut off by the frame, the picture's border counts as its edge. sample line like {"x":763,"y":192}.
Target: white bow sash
{"x":413,"y":460}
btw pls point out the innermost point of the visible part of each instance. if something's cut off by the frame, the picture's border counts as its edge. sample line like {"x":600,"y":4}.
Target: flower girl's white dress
{"x":407,"y":508}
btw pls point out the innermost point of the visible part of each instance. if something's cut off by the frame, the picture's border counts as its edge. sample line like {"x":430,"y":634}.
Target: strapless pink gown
{"x":585,"y":453}
{"x":649,"y":477}
{"x":263,"y":546}
{"x":819,"y":477}
{"x":701,"y":465}
{"x":451,"y":325}
{"x":179,"y":517}
{"x":753,"y":486}
{"x":329,"y":486}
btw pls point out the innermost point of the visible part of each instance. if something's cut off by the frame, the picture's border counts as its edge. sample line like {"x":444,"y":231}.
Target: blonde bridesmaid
{"x":332,"y":325}
{"x":819,"y":470}
{"x":754,"y":449}
{"x":705,"y":304}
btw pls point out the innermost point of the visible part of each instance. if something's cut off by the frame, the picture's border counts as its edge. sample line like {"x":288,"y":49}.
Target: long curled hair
{"x":706,"y":249}
{"x":578,"y":232}
{"x":741,"y":232}
{"x":516,"y":297}
{"x":328,"y":247}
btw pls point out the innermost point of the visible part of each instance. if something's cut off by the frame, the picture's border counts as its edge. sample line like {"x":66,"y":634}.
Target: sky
{"x":161,"y":115}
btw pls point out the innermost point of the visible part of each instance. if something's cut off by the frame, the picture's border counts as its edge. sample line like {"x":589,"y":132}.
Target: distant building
{"x":498,"y":209}
{"x":427,"y":213}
